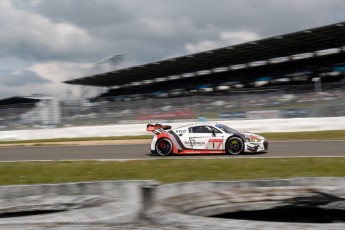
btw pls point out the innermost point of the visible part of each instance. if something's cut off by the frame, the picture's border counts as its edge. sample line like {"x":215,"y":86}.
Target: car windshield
{"x":226,"y":129}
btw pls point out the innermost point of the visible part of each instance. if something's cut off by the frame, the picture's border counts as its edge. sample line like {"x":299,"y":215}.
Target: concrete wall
{"x":192,"y":205}
{"x":171,"y":190}
{"x":148,"y":205}
{"x":72,"y":203}
{"x":268,"y":125}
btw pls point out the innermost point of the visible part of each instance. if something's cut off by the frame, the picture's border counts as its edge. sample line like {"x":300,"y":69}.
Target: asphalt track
{"x":279,"y":149}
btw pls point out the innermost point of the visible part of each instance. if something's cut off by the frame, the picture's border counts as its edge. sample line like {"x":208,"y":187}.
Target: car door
{"x":205,"y":137}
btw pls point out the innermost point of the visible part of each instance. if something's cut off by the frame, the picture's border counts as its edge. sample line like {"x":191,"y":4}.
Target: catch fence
{"x":232,"y":105}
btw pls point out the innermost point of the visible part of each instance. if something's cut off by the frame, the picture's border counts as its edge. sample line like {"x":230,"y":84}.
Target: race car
{"x":203,"y":139}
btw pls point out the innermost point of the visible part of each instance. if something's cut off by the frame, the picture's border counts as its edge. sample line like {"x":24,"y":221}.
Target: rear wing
{"x":157,"y":128}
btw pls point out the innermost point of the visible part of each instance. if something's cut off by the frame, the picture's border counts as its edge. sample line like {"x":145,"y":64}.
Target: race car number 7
{"x":214,"y":144}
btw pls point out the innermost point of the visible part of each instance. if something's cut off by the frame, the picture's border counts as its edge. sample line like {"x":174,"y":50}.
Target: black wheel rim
{"x":164,"y":147}
{"x":235,"y":146}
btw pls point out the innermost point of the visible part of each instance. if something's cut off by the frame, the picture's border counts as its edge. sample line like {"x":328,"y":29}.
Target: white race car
{"x":203,"y":139}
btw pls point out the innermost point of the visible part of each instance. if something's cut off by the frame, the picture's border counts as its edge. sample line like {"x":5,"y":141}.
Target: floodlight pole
{"x":318,"y":90}
{"x":317,"y":84}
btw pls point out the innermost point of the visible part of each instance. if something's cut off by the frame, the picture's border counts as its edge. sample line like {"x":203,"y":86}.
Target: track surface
{"x":141,"y":151}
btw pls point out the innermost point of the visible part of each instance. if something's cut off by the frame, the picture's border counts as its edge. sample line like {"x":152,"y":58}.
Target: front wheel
{"x":164,"y":147}
{"x":234,"y":145}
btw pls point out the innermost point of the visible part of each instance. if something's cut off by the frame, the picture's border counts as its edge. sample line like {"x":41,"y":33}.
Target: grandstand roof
{"x":17,"y":100}
{"x":310,"y":40}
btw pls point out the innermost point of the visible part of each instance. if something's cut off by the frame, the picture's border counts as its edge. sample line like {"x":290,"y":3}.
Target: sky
{"x":43,"y":42}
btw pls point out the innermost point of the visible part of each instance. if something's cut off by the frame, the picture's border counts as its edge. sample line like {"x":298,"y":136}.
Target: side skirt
{"x":200,"y":151}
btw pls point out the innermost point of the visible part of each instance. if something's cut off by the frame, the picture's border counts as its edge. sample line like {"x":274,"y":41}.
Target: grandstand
{"x":301,"y":74}
{"x":35,"y":110}
{"x":306,"y":57}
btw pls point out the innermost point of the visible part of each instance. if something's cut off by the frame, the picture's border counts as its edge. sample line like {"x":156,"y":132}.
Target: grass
{"x":168,"y":171}
{"x":319,"y":135}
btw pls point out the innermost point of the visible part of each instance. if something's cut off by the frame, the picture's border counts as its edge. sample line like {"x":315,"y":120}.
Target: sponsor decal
{"x":194,"y":143}
{"x":214,"y":144}
{"x":180,"y":131}
{"x":151,"y":128}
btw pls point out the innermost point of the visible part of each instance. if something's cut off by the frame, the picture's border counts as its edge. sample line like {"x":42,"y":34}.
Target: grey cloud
{"x":150,"y":30}
{"x":37,"y":34}
{"x":22,"y":78}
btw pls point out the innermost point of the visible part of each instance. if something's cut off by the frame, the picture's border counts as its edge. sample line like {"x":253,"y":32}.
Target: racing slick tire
{"x":234,"y":146}
{"x":164,"y":147}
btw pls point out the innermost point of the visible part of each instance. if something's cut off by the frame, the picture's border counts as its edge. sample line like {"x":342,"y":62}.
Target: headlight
{"x":253,"y":140}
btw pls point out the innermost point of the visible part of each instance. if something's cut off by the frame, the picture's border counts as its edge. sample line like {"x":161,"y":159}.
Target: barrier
{"x":85,"y":204}
{"x":147,"y":204}
{"x":297,"y":203}
{"x":258,"y":126}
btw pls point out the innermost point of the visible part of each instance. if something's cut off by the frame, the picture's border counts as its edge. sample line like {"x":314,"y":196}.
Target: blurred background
{"x":297,"y":75}
{"x":297,"y":102}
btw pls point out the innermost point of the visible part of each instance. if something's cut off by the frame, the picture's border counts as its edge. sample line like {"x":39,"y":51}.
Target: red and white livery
{"x":203,"y":139}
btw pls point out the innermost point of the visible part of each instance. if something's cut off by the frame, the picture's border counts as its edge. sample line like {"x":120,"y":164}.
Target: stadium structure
{"x":41,"y":110}
{"x":307,"y":58}
{"x":300,"y":74}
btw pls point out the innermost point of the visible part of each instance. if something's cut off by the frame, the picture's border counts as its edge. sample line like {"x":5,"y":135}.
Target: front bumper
{"x":256,"y":146}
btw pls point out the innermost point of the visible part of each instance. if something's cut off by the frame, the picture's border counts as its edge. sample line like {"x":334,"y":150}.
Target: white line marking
{"x":176,"y":158}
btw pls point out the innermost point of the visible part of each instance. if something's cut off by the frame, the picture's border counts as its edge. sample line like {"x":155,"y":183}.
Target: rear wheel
{"x":234,"y":145}
{"x":164,"y":147}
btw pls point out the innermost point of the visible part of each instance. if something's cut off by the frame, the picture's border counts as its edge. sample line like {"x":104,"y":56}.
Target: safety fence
{"x":237,"y":105}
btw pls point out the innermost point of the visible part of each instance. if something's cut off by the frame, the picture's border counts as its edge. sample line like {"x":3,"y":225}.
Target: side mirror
{"x":213,"y":133}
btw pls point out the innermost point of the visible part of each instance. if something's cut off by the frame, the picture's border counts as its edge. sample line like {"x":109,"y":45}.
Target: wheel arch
{"x":162,"y":139}
{"x":239,"y":136}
